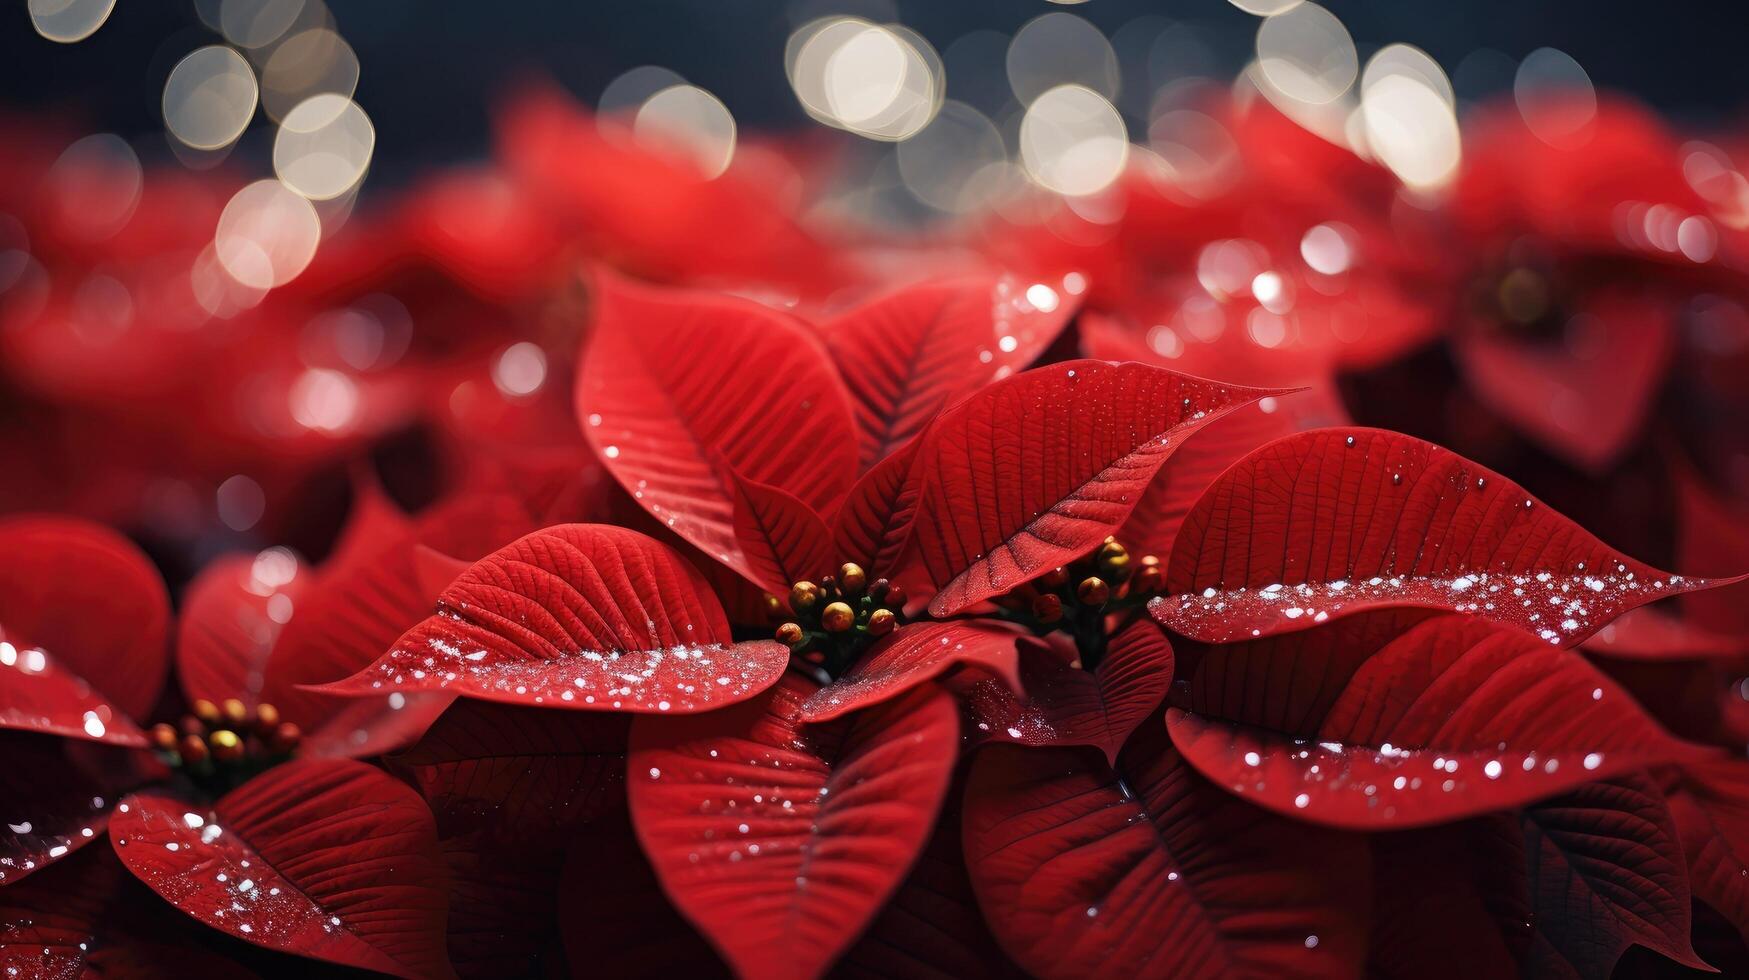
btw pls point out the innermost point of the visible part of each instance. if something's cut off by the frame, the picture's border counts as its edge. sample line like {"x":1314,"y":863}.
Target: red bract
{"x":1442,"y":722}
{"x":299,"y":859}
{"x":1338,"y":521}
{"x":322,"y":858}
{"x":1583,"y":257}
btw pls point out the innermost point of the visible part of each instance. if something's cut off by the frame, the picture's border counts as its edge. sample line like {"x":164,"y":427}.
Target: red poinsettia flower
{"x":1583,"y":257}
{"x":781,"y":790}
{"x":240,"y":815}
{"x":1247,"y":248}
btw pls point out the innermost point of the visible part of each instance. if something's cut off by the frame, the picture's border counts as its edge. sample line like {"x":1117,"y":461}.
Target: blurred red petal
{"x":118,"y":637}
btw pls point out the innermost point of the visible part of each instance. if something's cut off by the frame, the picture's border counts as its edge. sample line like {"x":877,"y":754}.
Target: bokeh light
{"x":67,"y":21}
{"x":1060,"y":48}
{"x":257,"y":23}
{"x":1306,"y":54}
{"x":688,"y":119}
{"x":1555,"y":96}
{"x":324,"y":146}
{"x":880,"y":81}
{"x":267,"y":235}
{"x":209,"y":98}
{"x":1073,"y":141}
{"x":310,"y":62}
{"x":1410,"y":116}
{"x":94,"y":187}
{"x":626,"y":94}
{"x":955,"y":163}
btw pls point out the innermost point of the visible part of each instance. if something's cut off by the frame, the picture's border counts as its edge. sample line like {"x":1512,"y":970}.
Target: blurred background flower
{"x":247,"y":244}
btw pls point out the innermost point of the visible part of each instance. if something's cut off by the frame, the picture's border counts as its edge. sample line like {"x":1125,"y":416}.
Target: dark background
{"x":432,"y":69}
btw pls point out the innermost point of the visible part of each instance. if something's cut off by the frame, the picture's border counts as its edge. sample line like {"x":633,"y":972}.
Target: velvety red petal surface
{"x":1035,"y":470}
{"x":932,"y":926}
{"x":911,"y":656}
{"x":873,"y":525}
{"x":1143,"y":869}
{"x":913,"y":352}
{"x":779,"y":842}
{"x":1711,"y":811}
{"x":48,"y":924}
{"x":1058,"y":703}
{"x":1154,"y":525}
{"x":782,"y":539}
{"x":660,"y":400}
{"x":1605,"y":870}
{"x":1454,"y":718}
{"x":38,"y":694}
{"x":1336,"y":521}
{"x":578,"y":616}
{"x":90,"y":597}
{"x":327,"y":859}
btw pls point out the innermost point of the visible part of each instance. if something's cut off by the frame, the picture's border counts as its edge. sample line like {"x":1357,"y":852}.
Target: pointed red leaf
{"x":38,"y":694}
{"x":1035,"y":470}
{"x":908,"y":355}
{"x":781,"y":843}
{"x":90,"y":597}
{"x":57,"y":797}
{"x":909,"y":657}
{"x":1084,"y":870}
{"x":332,"y":860}
{"x":578,"y":616}
{"x":873,"y":525}
{"x":521,"y":773}
{"x":1337,"y":521}
{"x":661,"y":396}
{"x":232,"y":614}
{"x":1711,"y":810}
{"x":1154,"y":524}
{"x":1585,"y":395}
{"x":1454,"y":718}
{"x":1064,"y":704}
{"x":781,"y":538}
{"x":1606,"y":871}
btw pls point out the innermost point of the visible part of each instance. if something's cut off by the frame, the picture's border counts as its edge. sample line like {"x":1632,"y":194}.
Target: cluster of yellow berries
{"x":836,"y":608}
{"x":224,"y":733}
{"x":1107,"y":576}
